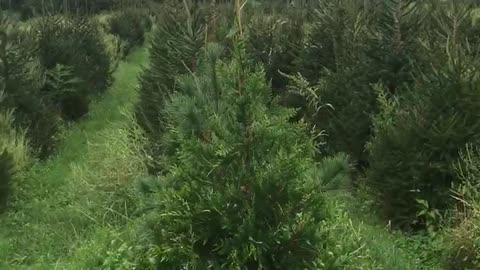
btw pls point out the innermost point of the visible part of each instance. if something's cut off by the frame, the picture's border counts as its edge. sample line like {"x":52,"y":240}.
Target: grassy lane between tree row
{"x":67,"y":201}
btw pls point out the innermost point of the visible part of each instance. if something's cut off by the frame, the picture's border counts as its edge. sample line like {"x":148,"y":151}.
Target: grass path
{"x":62,"y":203}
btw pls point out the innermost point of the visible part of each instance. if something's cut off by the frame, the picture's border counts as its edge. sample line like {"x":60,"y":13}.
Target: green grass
{"x":375,"y":244}
{"x":81,"y":194}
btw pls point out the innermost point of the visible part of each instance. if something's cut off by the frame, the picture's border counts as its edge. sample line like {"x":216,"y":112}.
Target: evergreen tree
{"x":338,"y":99}
{"x":21,"y":79}
{"x":394,"y":52}
{"x":340,"y":105}
{"x":241,"y":190}
{"x":417,"y":139}
{"x":130,"y":26}
{"x":174,"y":51}
{"x":77,"y":43}
{"x":276,"y":41}
{"x":419,"y":133}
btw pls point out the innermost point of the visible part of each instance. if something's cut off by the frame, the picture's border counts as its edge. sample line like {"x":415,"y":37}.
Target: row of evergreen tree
{"x":50,"y":70}
{"x":392,"y":83}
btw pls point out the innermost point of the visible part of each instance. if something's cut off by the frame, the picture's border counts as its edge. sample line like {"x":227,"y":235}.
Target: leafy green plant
{"x":119,"y":258}
{"x":14,"y":140}
{"x":336,"y":36}
{"x":333,"y":78}
{"x":431,"y":217}
{"x":13,"y":155}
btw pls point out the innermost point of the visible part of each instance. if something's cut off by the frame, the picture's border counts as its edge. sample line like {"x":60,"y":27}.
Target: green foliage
{"x":276,"y":41}
{"x":61,"y":88}
{"x":130,"y":26}
{"x":394,"y":50}
{"x":114,"y":45}
{"x":237,"y":193}
{"x":319,"y":51}
{"x":30,"y":8}
{"x":416,"y":140}
{"x":334,"y":80}
{"x":418,"y":133}
{"x":336,"y":36}
{"x":22,"y":79}
{"x":75,"y":42}
{"x":237,"y":181}
{"x":335,"y":171}
{"x":174,"y":50}
{"x":341,"y":105}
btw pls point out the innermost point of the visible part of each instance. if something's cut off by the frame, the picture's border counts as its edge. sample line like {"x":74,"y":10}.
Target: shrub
{"x":239,"y":192}
{"x":318,"y":51}
{"x":341,"y":105}
{"x":416,"y":140}
{"x":276,"y":41}
{"x":394,"y":51}
{"x":418,"y":134}
{"x":114,"y":45}
{"x":174,"y":50}
{"x":220,"y":24}
{"x":130,"y":26}
{"x":68,"y":6}
{"x":334,"y":80}
{"x":41,"y":121}
{"x":75,"y":42}
{"x":22,"y":79}
{"x":60,"y":88}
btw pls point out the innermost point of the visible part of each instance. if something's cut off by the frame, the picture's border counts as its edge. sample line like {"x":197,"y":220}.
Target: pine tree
{"x":394,"y":52}
{"x":276,"y":41}
{"x":77,"y":43}
{"x":130,"y":25}
{"x":174,"y":51}
{"x":334,"y":77}
{"x":418,"y":136}
{"x":340,"y":105}
{"x":21,"y":80}
{"x":241,"y":190}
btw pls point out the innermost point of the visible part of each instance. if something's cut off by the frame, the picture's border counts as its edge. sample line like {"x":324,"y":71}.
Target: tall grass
{"x":13,"y":141}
